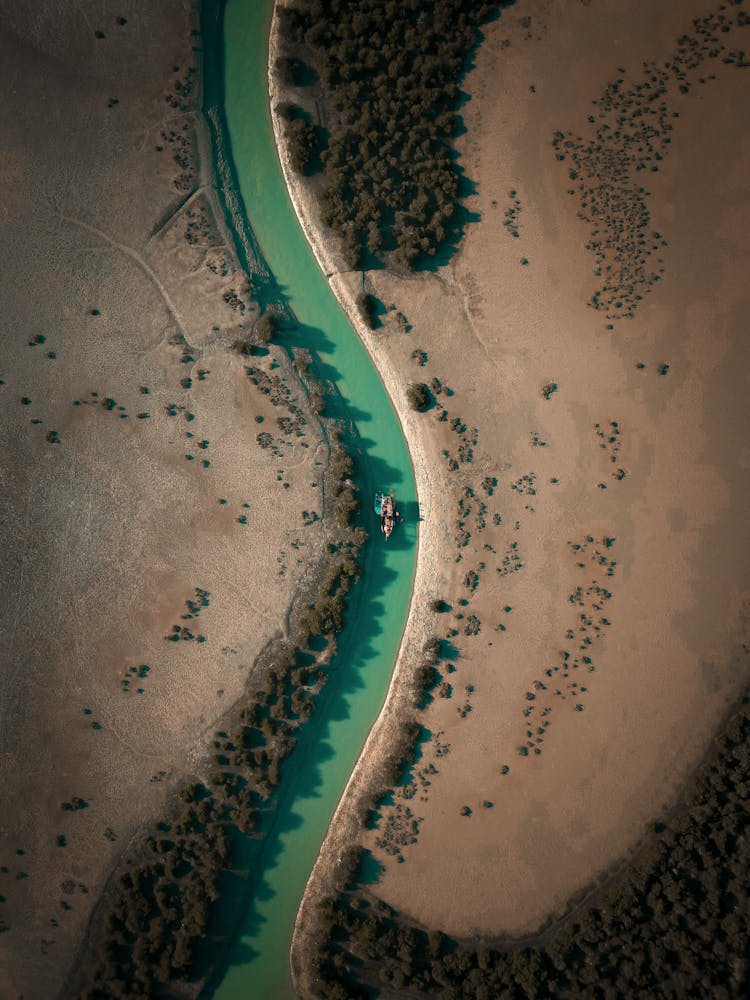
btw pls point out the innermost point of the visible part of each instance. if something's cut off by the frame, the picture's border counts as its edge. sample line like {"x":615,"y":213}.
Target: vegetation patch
{"x":419,"y":396}
{"x":389,"y":72}
{"x":368,"y":309}
{"x":669,"y":924}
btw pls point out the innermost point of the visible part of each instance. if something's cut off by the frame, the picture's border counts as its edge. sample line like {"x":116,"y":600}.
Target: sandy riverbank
{"x":344,"y":828}
{"x":121,"y":304}
{"x":587,"y":541}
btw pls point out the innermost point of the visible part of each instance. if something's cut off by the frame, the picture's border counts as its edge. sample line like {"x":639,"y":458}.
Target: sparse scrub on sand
{"x":75,"y":804}
{"x":401,"y":755}
{"x":631,"y":133}
{"x":512,"y":215}
{"x":426,"y":676}
{"x":473,"y":625}
{"x":194,"y":609}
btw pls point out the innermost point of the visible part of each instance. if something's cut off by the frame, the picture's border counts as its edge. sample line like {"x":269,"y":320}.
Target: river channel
{"x":316,"y":774}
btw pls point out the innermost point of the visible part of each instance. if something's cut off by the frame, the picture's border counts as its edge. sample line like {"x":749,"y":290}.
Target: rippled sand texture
{"x":120,"y":301}
{"x":587,"y":516}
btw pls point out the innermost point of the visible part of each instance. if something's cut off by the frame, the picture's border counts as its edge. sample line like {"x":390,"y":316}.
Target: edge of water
{"x":223,"y":179}
{"x":220,"y":167}
{"x":316,"y":242}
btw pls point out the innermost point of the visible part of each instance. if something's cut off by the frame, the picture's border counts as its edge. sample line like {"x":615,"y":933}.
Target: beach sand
{"x":592,"y":545}
{"x":117,"y":279}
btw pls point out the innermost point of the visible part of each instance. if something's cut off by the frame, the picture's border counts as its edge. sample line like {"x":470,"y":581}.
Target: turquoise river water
{"x":315,"y":776}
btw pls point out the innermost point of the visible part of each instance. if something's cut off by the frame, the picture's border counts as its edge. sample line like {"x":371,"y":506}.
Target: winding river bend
{"x":315,"y":776}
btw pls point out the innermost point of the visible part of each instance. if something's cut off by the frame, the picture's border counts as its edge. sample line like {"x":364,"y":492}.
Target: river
{"x":316,"y":774}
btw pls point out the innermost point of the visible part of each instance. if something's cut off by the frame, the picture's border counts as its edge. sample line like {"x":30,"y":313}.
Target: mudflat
{"x":151,"y":489}
{"x":583,"y":470}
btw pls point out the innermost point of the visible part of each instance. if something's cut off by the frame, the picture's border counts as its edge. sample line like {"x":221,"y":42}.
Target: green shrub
{"x":266,"y":328}
{"x":368,"y":307}
{"x":419,"y":396}
{"x":305,"y":141}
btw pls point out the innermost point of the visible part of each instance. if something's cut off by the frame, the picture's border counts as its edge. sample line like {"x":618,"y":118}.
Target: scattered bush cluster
{"x":266,"y":328}
{"x":630,"y":136}
{"x":160,"y":906}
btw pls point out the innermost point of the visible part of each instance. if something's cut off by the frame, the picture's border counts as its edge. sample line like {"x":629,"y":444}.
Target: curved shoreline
{"x":377,"y":634}
{"x":345,"y":821}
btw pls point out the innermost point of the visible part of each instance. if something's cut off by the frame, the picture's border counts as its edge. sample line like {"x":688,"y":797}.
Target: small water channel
{"x":257,"y":965}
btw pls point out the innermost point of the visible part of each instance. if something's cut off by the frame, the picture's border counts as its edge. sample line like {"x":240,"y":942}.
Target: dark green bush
{"x":266,"y":328}
{"x":419,"y":396}
{"x":390,"y":72}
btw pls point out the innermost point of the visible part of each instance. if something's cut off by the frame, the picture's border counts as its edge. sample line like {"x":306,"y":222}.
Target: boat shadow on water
{"x":404,"y":535}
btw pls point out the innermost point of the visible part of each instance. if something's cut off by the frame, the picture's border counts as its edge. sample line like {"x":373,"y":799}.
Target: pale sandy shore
{"x":118,"y":285}
{"x":344,"y":827}
{"x":592,"y":545}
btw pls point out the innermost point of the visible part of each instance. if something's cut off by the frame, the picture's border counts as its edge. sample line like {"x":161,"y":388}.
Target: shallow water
{"x":315,"y":776}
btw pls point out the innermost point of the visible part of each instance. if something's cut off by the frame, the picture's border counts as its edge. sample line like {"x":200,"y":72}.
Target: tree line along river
{"x":330,"y":742}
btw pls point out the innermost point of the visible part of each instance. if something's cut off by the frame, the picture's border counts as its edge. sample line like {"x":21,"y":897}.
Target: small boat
{"x":385,"y":508}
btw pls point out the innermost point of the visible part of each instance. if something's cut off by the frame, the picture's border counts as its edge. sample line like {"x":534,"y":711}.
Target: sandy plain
{"x":117,"y":279}
{"x":591,"y":541}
